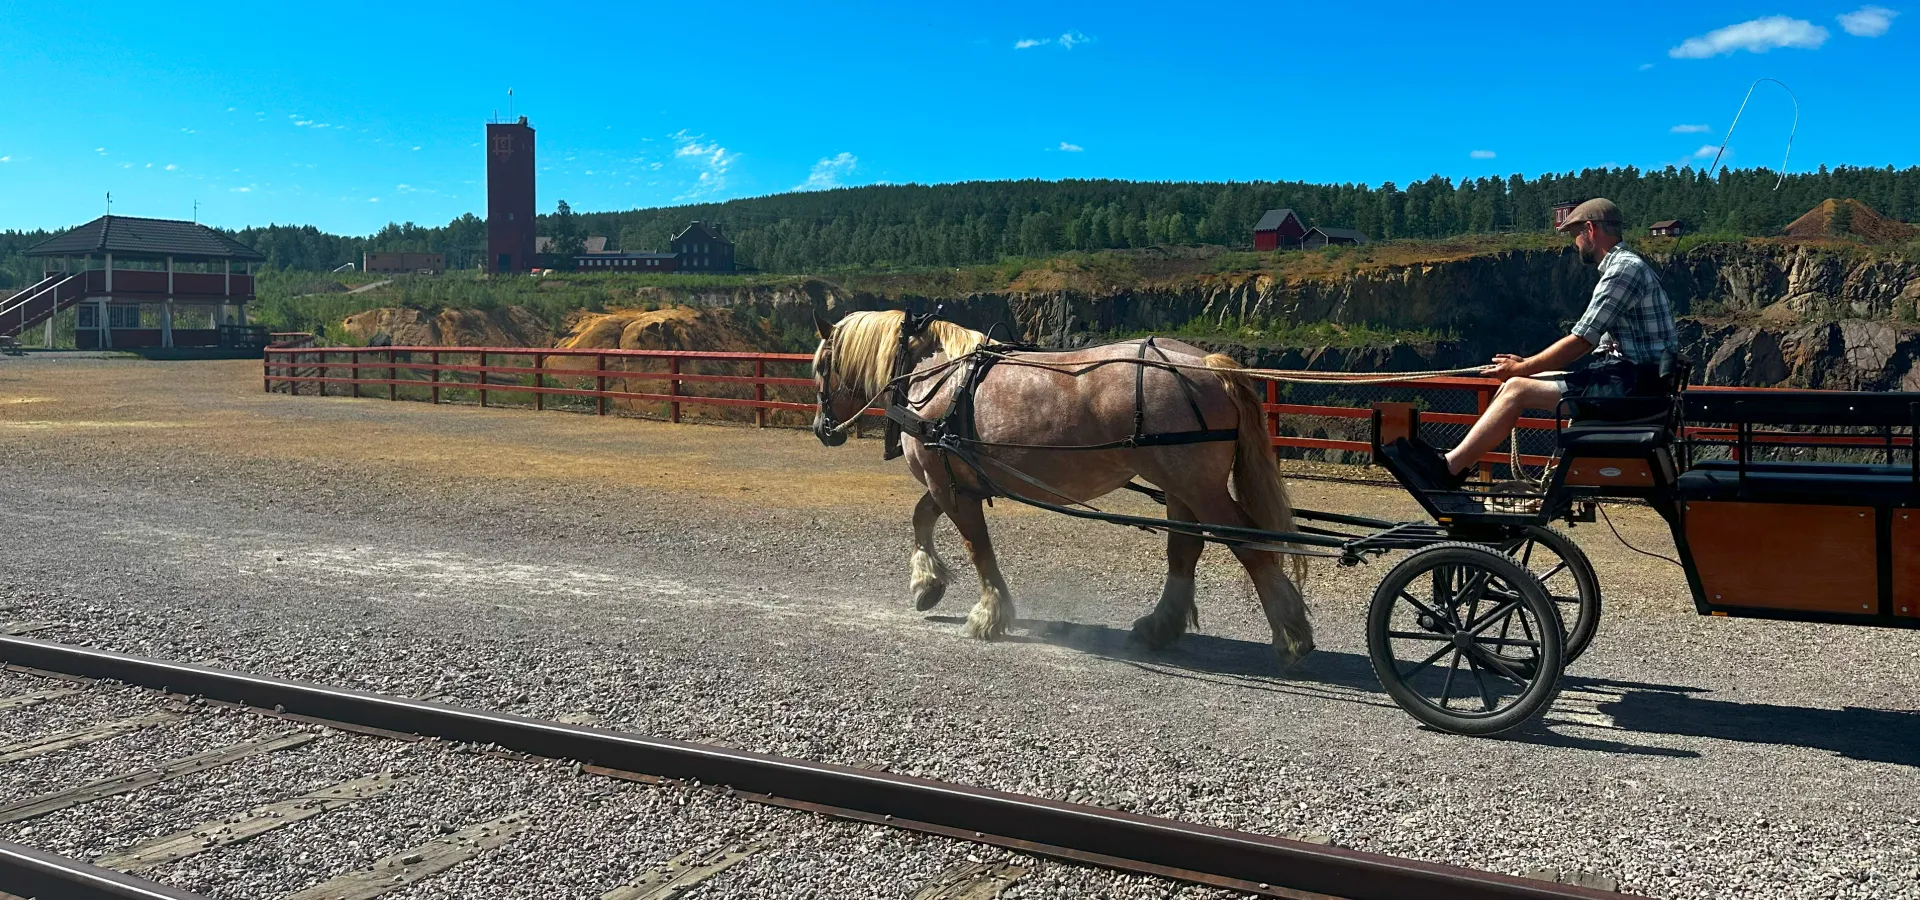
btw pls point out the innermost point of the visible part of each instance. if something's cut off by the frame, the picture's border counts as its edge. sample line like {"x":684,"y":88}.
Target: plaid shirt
{"x":1629,"y":317}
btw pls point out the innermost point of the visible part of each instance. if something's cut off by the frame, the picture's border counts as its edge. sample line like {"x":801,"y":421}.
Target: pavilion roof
{"x":130,"y":236}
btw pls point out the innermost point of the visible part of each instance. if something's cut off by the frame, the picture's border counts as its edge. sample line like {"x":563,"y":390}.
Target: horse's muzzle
{"x":828,"y":435}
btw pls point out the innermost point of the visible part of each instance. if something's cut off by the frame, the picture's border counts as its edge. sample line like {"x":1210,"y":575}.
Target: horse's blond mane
{"x":864,"y":344}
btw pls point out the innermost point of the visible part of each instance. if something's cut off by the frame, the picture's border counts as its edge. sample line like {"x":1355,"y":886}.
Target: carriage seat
{"x":1835,"y":484}
{"x":1616,"y":426}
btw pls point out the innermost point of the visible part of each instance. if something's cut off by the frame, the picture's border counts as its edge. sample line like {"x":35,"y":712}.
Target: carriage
{"x":1795,"y":539}
{"x":1471,"y":631}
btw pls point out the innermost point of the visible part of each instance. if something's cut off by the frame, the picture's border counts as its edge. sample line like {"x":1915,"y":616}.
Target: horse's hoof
{"x":1149,"y":634}
{"x":928,"y":596}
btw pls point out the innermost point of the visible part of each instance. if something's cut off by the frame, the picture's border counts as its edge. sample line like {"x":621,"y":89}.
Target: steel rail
{"x":1116,"y":839}
{"x":26,"y":872}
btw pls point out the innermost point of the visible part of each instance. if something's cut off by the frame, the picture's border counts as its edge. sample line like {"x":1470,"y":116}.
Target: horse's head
{"x":836,"y":399}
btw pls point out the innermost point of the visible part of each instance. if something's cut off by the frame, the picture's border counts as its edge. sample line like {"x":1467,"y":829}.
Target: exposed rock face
{"x":1760,"y":313}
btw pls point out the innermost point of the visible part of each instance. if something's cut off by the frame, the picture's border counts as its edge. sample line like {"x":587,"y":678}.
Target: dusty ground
{"x":749,"y":587}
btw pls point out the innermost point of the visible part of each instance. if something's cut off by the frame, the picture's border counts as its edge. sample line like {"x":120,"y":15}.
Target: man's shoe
{"x":1429,"y":465}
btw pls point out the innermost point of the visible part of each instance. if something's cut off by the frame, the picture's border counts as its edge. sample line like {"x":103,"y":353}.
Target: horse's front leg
{"x":929,"y":570}
{"x":994,"y":613}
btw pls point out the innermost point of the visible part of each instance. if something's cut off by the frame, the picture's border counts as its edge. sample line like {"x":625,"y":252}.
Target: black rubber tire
{"x":1579,"y":611}
{"x":1534,"y":684}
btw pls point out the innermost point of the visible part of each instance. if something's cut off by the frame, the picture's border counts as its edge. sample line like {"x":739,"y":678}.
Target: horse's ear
{"x":823,"y":326}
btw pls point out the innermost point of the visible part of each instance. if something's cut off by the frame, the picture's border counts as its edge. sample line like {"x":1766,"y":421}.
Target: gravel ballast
{"x":749,"y":588}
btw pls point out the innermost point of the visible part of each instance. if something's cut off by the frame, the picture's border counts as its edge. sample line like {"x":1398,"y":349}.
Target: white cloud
{"x":1691,"y":129}
{"x":149,"y":165}
{"x":1071,"y":148}
{"x":1645,"y":66}
{"x":711,"y":159}
{"x":171,"y":167}
{"x":1706,"y":150}
{"x":6,"y":159}
{"x":1481,"y":154}
{"x":188,"y":131}
{"x":1867,"y":21}
{"x":416,"y":148}
{"x":828,"y":171}
{"x":100,"y":150}
{"x":1066,"y":41}
{"x":298,"y":123}
{"x":241,"y":190}
{"x":373,"y":199}
{"x":230,"y":109}
{"x":1756,"y":36}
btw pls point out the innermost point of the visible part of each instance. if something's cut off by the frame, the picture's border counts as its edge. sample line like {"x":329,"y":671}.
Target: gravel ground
{"x":749,"y":588}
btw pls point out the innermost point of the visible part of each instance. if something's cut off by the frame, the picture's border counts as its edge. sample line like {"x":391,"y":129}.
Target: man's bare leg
{"x":1516,"y":395}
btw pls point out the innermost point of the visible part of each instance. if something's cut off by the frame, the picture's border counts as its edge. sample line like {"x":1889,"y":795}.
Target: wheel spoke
{"x":1418,"y":636}
{"x":1422,"y":607}
{"x":1407,"y":677}
{"x":1500,"y":667}
{"x":1486,"y":699}
{"x":1478,"y":625}
{"x":1562,"y":567}
{"x":1446,"y":689}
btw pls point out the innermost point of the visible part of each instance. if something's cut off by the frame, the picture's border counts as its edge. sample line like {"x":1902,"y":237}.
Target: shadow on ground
{"x":1860,"y":733}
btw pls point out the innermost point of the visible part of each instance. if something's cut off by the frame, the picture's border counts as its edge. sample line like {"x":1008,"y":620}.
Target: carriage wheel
{"x":1465,"y":639}
{"x":1568,"y":576}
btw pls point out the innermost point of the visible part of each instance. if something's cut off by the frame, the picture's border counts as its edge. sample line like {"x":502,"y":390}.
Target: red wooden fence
{"x":528,"y":372}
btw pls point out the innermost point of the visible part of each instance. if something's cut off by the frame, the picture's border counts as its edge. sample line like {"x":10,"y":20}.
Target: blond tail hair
{"x":1256,"y":476}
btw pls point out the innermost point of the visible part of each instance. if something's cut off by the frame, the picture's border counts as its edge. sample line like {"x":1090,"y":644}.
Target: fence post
{"x":673,"y":389}
{"x":539,"y":381}
{"x":1273,"y":418}
{"x":353,"y":371}
{"x":760,"y":393}
{"x":393,"y":375}
{"x":600,"y":382}
{"x":436,"y":376}
{"x":483,"y":378}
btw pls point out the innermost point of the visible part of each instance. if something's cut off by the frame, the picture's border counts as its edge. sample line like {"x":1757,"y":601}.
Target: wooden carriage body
{"x":1829,"y":533}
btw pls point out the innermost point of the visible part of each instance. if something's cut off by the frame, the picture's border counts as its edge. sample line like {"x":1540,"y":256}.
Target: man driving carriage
{"x":1628,"y":327}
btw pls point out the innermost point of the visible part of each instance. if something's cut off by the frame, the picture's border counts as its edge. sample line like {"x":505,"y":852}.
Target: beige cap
{"x":1599,"y":209}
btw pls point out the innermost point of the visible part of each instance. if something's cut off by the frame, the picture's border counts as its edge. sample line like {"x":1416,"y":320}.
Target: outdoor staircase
{"x":39,"y":302}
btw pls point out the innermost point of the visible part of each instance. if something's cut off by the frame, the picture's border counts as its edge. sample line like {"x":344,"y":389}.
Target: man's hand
{"x":1505,"y":366}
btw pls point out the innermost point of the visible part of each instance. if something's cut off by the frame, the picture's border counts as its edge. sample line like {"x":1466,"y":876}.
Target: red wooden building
{"x":1278,"y":228}
{"x":131,"y":280}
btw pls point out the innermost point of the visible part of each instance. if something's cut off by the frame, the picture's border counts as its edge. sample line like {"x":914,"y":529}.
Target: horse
{"x":1027,"y":409}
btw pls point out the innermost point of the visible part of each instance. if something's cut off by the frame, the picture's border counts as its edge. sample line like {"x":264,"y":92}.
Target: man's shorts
{"x":1606,"y":378}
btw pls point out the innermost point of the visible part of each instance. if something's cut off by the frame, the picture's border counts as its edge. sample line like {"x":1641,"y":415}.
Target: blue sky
{"x":351,"y":115}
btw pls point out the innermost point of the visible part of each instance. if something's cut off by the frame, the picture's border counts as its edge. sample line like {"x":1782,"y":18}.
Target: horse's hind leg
{"x":929,"y":570}
{"x":1176,"y":610}
{"x":994,"y":613}
{"x":1280,"y":598}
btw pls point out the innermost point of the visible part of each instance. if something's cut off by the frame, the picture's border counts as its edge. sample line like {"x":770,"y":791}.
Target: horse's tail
{"x":1256,"y":476}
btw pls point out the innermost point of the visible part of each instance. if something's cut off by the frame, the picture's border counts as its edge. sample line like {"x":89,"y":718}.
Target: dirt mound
{"x":1850,"y":218}
{"x":507,"y":326}
{"x":683,"y":328}
{"x":672,"y":328}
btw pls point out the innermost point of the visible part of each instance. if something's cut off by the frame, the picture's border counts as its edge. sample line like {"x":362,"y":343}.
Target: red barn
{"x":1278,"y":228}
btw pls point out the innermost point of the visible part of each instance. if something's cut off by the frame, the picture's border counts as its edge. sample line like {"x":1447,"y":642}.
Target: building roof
{"x":1343,"y":233}
{"x":1273,"y":219}
{"x":1669,"y":223}
{"x":130,"y":236}
{"x":712,"y":232}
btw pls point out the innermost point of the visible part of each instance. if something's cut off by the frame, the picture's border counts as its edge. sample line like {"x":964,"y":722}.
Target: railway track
{"x":247,"y":719}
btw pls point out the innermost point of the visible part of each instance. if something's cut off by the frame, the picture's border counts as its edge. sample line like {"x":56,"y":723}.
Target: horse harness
{"x":955,"y":433}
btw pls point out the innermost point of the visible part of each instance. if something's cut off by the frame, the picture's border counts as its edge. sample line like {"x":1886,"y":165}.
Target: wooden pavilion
{"x":129,"y":280}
